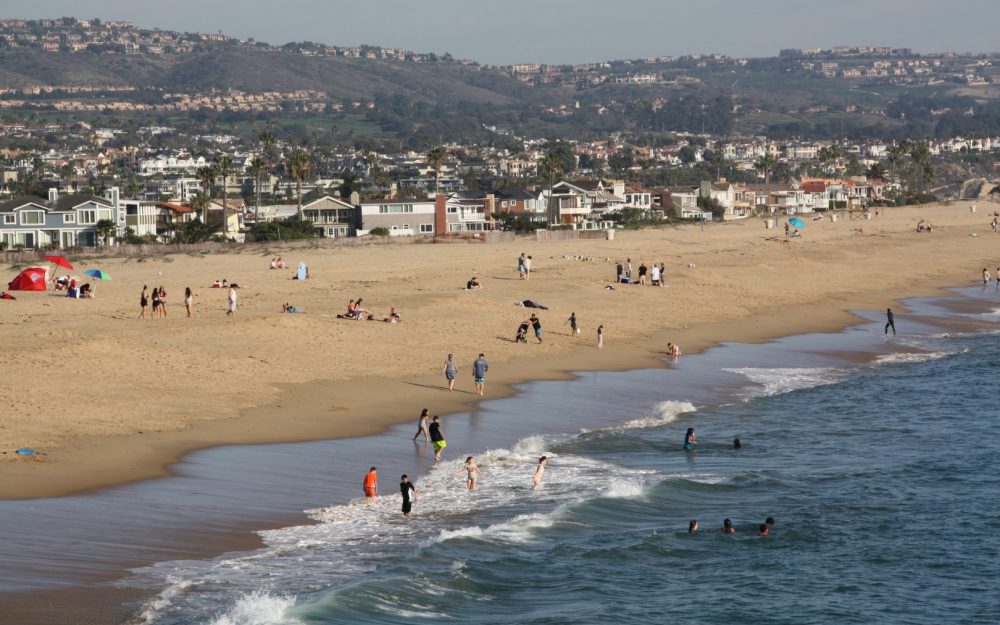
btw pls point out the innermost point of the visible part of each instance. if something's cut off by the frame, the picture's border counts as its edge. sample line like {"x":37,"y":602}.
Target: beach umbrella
{"x":97,"y":273}
{"x":798,"y":223}
{"x":59,"y":261}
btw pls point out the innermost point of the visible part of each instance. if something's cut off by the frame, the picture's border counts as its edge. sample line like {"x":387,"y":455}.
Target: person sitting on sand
{"x":280,"y":264}
{"x":86,"y":291}
{"x":472,"y":284}
{"x":925,"y":226}
{"x":288,"y":308}
{"x":392,"y":317}
{"x":274,"y":263}
{"x":217,"y":284}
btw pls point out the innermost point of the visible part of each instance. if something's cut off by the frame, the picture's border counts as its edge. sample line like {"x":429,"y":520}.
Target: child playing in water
{"x":536,"y":481}
{"x":473,"y":474}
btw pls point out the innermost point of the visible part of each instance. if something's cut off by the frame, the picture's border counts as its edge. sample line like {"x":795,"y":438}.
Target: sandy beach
{"x":109,"y":398}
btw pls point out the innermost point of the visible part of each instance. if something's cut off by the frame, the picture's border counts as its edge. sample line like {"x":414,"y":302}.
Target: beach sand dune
{"x":110,"y":398}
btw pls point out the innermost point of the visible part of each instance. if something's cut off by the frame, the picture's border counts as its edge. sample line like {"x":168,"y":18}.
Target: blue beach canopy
{"x":798,"y":223}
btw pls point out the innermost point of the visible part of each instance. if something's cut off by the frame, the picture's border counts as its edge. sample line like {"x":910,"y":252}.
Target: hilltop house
{"x":56,"y":223}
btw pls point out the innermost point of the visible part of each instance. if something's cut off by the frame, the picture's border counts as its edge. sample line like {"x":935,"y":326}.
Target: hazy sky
{"x":563,"y":31}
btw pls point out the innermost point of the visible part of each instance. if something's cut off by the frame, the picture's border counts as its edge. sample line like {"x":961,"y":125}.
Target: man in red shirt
{"x":371,"y":483}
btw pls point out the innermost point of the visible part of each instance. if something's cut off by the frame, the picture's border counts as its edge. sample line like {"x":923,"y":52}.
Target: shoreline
{"x":166,"y":388}
{"x":151,"y":456}
{"x":95,"y":589}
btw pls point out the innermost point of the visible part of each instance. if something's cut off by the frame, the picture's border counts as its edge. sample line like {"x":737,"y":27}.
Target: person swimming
{"x":692,"y":527}
{"x":727,"y":527}
{"x":689,"y":440}
{"x":769,"y":520}
{"x":737,"y":444}
{"x":762,"y":530}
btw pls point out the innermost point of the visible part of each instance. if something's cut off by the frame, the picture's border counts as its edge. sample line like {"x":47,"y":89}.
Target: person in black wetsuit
{"x":890,"y":322}
{"x":409,"y":492}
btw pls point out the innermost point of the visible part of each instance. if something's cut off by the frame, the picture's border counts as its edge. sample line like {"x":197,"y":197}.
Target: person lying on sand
{"x":527,"y":303}
{"x":288,"y":308}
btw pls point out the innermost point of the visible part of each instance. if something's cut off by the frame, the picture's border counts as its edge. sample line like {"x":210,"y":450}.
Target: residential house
{"x":141,"y":216}
{"x":399,"y":217}
{"x":332,"y":217}
{"x":61,"y":221}
{"x":458,"y":213}
{"x":724,"y":193}
{"x":574,"y":202}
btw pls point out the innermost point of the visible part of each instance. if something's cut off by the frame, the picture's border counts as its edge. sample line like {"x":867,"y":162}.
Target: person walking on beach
{"x":600,"y":337}
{"x":144,"y":300}
{"x":370,"y":484}
{"x":654,"y":276}
{"x":642,"y":273}
{"x":472,"y":473}
{"x":536,"y":323}
{"x":232,"y":302}
{"x":890,"y":321}
{"x":522,"y":267}
{"x":689,"y":439}
{"x":619,"y":270}
{"x":422,"y":424}
{"x":188,"y":300}
{"x":437,"y":438}
{"x":527,"y":267}
{"x":574,"y":330}
{"x":536,"y":480}
{"x":450,"y":370}
{"x":409,"y":492}
{"x":479,"y":369}
{"x":663,"y":274}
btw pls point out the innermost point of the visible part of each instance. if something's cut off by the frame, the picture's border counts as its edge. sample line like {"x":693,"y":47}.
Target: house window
{"x":69,"y":218}
{"x":9,"y":219}
{"x":88,"y":217}
{"x":426,"y":228}
{"x":453,"y":209}
{"x":32,"y":217}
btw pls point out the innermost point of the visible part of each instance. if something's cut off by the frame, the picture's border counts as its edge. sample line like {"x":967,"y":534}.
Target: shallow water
{"x":881,"y":477}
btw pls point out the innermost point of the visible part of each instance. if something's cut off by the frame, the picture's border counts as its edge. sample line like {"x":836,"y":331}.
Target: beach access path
{"x":110,"y":399}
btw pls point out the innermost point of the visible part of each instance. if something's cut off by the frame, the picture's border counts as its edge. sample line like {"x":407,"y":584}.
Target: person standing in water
{"x":890,"y":321}
{"x":409,"y":492}
{"x":986,"y":276}
{"x":370,"y":484}
{"x":536,"y":480}
{"x":689,"y":439}
{"x":472,"y":473}
{"x":437,"y":438}
{"x":422,"y":424}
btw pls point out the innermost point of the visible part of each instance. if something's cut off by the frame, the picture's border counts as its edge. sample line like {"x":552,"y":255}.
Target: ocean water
{"x":882,"y":477}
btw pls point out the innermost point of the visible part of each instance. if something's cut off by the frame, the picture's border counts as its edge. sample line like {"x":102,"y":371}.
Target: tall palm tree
{"x":894,"y":155}
{"x":298,"y":169}
{"x":877,"y":171}
{"x":436,"y":158}
{"x":200,"y":204}
{"x":259,"y":166}
{"x":551,"y":165}
{"x":224,"y":165}
{"x":765,"y":164}
{"x":921,"y":155}
{"x":206,"y":176}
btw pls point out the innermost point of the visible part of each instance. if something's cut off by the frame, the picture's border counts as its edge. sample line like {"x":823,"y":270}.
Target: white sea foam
{"x":624,"y":489}
{"x":260,"y":607}
{"x":663,"y":413}
{"x":778,"y":380}
{"x":153,"y":608}
{"x":910,"y":357}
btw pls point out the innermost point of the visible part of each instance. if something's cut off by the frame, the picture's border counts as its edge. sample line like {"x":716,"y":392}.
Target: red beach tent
{"x":31,"y":279}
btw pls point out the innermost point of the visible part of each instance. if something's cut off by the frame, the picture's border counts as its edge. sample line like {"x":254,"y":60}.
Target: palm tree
{"x":877,"y":171}
{"x":893,"y":156}
{"x":200,"y":204}
{"x":298,"y":169}
{"x":921,"y":155}
{"x":765,"y":164}
{"x":435,"y":158}
{"x":551,"y":165}
{"x":206,"y":176}
{"x":259,"y":167}
{"x":224,"y":163}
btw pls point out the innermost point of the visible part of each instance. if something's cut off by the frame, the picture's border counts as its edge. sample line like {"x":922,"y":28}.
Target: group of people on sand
{"x":356,"y":312}
{"x":158,"y":298}
{"x":524,"y":267}
{"x":277,"y":263}
{"x":624,"y":273}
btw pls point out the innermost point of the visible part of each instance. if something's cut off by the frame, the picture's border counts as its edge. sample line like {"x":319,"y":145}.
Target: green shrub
{"x":380,"y":231}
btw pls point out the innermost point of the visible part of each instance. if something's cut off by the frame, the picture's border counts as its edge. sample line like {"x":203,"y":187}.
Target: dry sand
{"x":109,"y":398}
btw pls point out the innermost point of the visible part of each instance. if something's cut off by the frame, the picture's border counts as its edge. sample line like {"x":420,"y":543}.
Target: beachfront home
{"x":401,"y":218}
{"x":457,"y":213}
{"x":574,"y":202}
{"x":61,"y":221}
{"x":332,"y":217}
